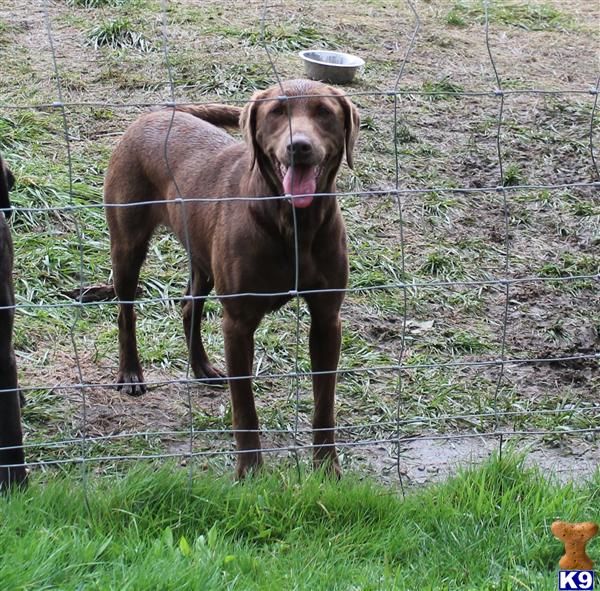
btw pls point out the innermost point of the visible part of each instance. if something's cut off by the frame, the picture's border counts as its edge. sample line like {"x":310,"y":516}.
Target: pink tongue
{"x":304,"y":183}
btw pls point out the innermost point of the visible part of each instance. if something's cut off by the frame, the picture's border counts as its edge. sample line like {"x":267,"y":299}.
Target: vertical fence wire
{"x":594,"y":91}
{"x":78,"y":231}
{"x":295,"y":292}
{"x":180,"y":200}
{"x":505,"y":212}
{"x":400,"y":381}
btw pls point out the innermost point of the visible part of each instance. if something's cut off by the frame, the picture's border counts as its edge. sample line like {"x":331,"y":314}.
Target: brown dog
{"x":240,"y":245}
{"x":10,"y":402}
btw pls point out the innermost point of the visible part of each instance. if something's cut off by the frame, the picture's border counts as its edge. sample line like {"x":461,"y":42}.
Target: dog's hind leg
{"x":128,"y":254}
{"x":11,"y":436}
{"x":192,"y":325}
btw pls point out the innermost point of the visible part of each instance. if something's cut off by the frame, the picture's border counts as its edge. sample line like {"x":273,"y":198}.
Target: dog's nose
{"x":300,"y":149}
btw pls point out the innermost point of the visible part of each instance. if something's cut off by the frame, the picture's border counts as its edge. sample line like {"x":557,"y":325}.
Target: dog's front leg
{"x":238,"y":333}
{"x":325,"y":343}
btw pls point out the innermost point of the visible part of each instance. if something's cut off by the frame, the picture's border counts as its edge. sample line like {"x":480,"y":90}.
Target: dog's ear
{"x":248,"y":124}
{"x":351,"y":123}
{"x":7,"y":180}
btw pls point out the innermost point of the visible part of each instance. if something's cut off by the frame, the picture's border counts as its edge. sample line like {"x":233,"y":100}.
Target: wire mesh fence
{"x":498,"y":418}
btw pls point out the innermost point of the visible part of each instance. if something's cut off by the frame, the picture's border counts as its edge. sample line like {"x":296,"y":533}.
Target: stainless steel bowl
{"x":330,"y":66}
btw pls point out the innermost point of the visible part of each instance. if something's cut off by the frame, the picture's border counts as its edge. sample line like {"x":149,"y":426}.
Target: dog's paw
{"x":206,"y":370}
{"x":329,"y":465}
{"x":326,"y":460}
{"x":13,"y":478}
{"x":131,"y":383}
{"x":248,"y":463}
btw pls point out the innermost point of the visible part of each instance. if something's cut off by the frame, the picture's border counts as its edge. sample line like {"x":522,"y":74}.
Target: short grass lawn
{"x":487,"y":528}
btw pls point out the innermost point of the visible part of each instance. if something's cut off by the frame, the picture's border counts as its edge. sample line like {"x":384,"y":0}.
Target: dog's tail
{"x":219,"y":115}
{"x":6,"y":182}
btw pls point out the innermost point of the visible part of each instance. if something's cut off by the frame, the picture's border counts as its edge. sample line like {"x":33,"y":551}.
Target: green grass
{"x":443,"y":263}
{"x":95,"y":3}
{"x":229,"y":79}
{"x":444,"y":88}
{"x":567,"y":265}
{"x":118,"y":34}
{"x":7,"y":31}
{"x":487,"y":529}
{"x":458,"y":342}
{"x":289,"y":37}
{"x":513,"y":176}
{"x":455,"y":19}
{"x":22,"y":128}
{"x":525,"y":15}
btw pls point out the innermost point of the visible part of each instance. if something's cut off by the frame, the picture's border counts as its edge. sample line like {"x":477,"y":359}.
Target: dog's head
{"x":7,"y":180}
{"x":297,"y":136}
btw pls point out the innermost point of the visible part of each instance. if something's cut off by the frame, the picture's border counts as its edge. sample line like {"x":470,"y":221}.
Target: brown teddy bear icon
{"x":575,"y":536}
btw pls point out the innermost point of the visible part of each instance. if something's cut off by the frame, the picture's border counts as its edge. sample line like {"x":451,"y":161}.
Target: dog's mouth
{"x":299,"y":182}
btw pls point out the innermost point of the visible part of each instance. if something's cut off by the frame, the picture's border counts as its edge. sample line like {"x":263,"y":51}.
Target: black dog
{"x":11,"y":435}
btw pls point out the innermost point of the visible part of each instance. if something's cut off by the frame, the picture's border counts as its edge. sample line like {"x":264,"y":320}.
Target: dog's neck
{"x":281,"y":215}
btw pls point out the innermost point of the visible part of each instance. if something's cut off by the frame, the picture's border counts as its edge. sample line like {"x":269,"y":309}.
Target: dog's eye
{"x":324,"y":111}
{"x":278,"y":109}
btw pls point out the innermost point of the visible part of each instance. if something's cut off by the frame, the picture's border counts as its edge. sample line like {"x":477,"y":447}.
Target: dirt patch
{"x":426,"y":461}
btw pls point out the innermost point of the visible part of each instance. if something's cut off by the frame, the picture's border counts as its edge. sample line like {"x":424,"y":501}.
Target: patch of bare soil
{"x":424,"y":461}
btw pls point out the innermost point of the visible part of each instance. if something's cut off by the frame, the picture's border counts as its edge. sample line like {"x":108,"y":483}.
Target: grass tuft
{"x":567,"y":265}
{"x":21,"y":128}
{"x":442,"y":263}
{"x":513,"y":176}
{"x":117,"y":34}
{"x":283,"y":37}
{"x":441,"y":89}
{"x":95,"y":3}
{"x":525,"y":15}
{"x":226,"y":80}
{"x":453,"y":18}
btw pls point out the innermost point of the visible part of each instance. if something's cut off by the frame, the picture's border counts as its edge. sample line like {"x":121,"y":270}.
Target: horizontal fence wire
{"x":392,"y":439}
{"x":415,"y":420}
{"x":310,"y":374}
{"x":388,"y":432}
{"x":354,"y":193}
{"x":367,"y":93}
{"x":414,"y":285}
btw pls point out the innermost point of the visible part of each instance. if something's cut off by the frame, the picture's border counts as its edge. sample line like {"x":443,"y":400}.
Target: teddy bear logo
{"x":575,"y":536}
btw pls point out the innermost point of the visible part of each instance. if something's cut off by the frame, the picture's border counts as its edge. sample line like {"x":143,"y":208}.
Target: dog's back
{"x":161,"y":146}
{"x":164,"y":155}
